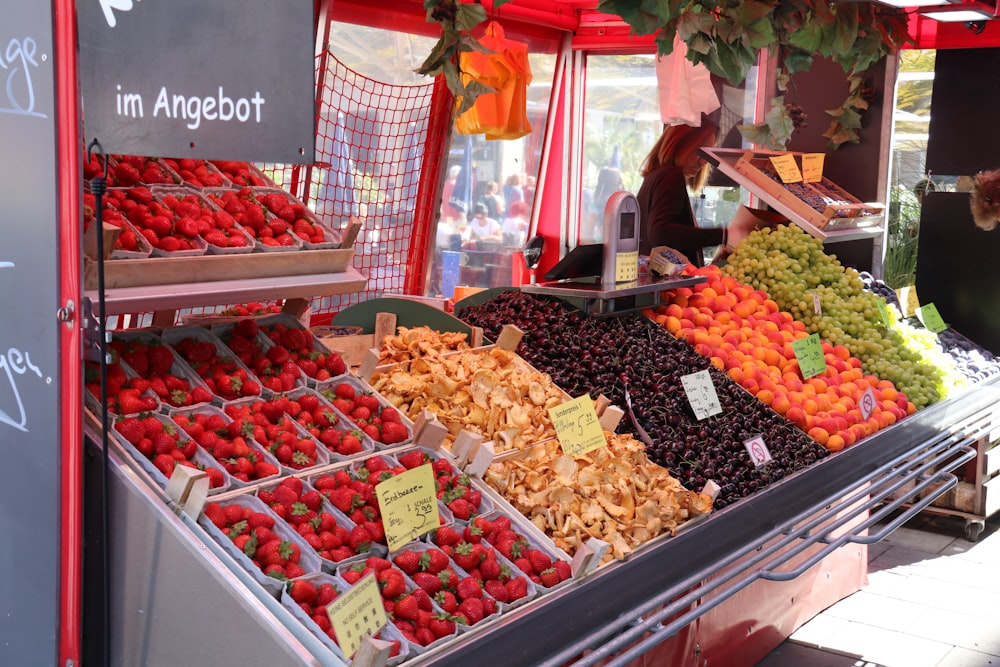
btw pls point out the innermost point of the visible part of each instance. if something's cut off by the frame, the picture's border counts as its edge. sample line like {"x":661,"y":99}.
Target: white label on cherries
{"x":701,"y":394}
{"x":867,"y":404}
{"x":757,"y":450}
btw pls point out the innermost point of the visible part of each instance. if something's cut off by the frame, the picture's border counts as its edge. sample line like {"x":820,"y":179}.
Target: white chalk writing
{"x":108,"y":7}
{"x":17,"y":60}
{"x":14,"y":363}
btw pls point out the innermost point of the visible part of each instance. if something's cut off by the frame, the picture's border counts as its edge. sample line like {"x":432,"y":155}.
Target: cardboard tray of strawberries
{"x":243,"y":174}
{"x":194,"y":212}
{"x":159,"y":223}
{"x":246,"y":461}
{"x":196,"y":173}
{"x":295,"y":596}
{"x":365,"y":409}
{"x":277,"y":432}
{"x":153,"y":452}
{"x":171,"y":379}
{"x":264,"y":556}
{"x":303,"y":222}
{"x":128,"y":394}
{"x":225,"y":375}
{"x":316,"y":362}
{"x":130,"y":244}
{"x":341,"y":438}
{"x":270,"y":233}
{"x":304,"y":508}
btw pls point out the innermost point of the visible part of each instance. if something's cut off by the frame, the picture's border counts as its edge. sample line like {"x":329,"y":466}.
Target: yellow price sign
{"x":908,"y":300}
{"x":812,"y":167}
{"x":577,"y":426}
{"x":787,"y":168}
{"x":408,"y":504}
{"x":357,"y":614}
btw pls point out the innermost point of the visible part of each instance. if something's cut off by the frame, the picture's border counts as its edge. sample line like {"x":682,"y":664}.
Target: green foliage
{"x":902,"y":234}
{"x":457,"y":22}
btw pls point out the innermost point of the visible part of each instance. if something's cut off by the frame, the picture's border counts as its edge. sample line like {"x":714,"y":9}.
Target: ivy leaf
{"x":440,"y":53}
{"x":753,"y":19}
{"x":846,"y":28}
{"x":759,"y":134}
{"x":807,"y":38}
{"x":838,"y":135}
{"x":730,"y":61}
{"x":796,"y":61}
{"x":469,"y":15}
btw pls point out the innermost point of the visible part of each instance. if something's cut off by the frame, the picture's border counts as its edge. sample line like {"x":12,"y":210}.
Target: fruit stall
{"x":678,"y":471}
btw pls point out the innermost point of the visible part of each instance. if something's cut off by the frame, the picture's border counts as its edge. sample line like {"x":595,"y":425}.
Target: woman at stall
{"x":672,"y":172}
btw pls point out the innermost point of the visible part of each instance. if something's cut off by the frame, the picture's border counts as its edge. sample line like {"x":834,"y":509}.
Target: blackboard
{"x":29,"y":340}
{"x":961,"y":138}
{"x":213,"y":79}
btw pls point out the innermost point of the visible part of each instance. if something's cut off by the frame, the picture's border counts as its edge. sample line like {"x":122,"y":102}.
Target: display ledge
{"x":169,"y":297}
{"x":597,"y":298}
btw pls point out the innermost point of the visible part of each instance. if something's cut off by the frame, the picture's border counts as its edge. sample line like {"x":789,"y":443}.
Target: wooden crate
{"x":210,"y":268}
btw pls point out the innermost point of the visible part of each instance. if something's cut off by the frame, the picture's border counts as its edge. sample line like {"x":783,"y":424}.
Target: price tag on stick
{"x":357,"y":614}
{"x":931,"y":318}
{"x":408,"y":504}
{"x":809,"y":354}
{"x":577,"y":426}
{"x":701,"y":394}
{"x":812,"y":167}
{"x":757,"y":450}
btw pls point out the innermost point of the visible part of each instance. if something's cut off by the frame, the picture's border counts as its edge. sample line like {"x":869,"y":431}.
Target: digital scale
{"x":605,"y":276}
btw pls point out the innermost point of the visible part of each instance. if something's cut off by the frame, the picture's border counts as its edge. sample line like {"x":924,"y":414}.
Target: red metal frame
{"x":69,"y":206}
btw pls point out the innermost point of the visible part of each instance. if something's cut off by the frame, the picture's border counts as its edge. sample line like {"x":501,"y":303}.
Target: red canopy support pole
{"x":429,"y":185}
{"x":70,"y":176}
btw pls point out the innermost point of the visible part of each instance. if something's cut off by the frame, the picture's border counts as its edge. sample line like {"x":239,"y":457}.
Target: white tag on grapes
{"x":757,"y":450}
{"x":701,"y":394}
{"x":817,"y":307}
{"x":867,"y":404}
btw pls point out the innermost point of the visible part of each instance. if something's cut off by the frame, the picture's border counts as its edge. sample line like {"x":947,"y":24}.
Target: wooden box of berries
{"x":819,"y":206}
{"x":164,"y":226}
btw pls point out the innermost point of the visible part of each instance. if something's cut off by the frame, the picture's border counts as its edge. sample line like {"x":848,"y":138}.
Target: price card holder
{"x":701,"y":394}
{"x":476,"y":338}
{"x":409,"y":506}
{"x":357,"y":614}
{"x":368,"y":364}
{"x":372,"y":653}
{"x":481,"y":461}
{"x":188,"y":488}
{"x":931,"y":318}
{"x":509,"y":338}
{"x":867,"y":403}
{"x":883,"y":312}
{"x":908,"y":300}
{"x":809,"y":354}
{"x":465,"y":447}
{"x":587,"y":557}
{"x":428,"y":431}
{"x":787,"y":168}
{"x":711,"y":489}
{"x":577,"y":427}
{"x":385,"y":325}
{"x":812,"y":167}
{"x":611,"y":417}
{"x":758,"y":451}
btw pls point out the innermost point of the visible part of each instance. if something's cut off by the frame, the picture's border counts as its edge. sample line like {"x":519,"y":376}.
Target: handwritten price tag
{"x":701,"y":394}
{"x":812,"y":167}
{"x":577,"y":426}
{"x":787,"y":168}
{"x":931,"y":318}
{"x":409,"y":505}
{"x":809,"y":354}
{"x":357,"y":614}
{"x":883,"y":312}
{"x":908,"y":300}
{"x":867,"y":403}
{"x":758,"y":451}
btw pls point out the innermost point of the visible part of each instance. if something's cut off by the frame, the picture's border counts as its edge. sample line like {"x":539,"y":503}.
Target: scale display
{"x":621,"y":239}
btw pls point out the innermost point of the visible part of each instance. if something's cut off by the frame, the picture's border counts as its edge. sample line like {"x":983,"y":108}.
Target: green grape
{"x":792,"y":266}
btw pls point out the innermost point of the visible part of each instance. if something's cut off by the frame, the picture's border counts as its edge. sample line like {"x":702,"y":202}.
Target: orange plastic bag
{"x":503,"y":114}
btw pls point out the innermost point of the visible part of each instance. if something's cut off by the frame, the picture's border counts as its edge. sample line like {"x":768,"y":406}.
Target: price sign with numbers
{"x":626,"y":266}
{"x":883,"y":312}
{"x":931,"y":318}
{"x":812,"y":167}
{"x":908,"y":300}
{"x":357,"y":614}
{"x":867,"y":403}
{"x":701,"y":394}
{"x":409,"y":505}
{"x":809,"y":354}
{"x":787,"y":168}
{"x":758,"y":451}
{"x":577,"y":426}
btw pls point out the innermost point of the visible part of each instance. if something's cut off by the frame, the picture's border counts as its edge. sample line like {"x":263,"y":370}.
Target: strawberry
{"x":302,"y":591}
{"x":413,"y":459}
{"x":408,"y":562}
{"x":427,"y":581}
{"x":447,"y":536}
{"x":407,"y":608}
{"x":446,"y":600}
{"x":469,"y":588}
{"x":538,"y":559}
{"x":467,"y":555}
{"x":497,"y":590}
{"x":564,"y":569}
{"x":472,"y":610}
{"x":442,"y":625}
{"x":549,"y":577}
{"x":391,"y":583}
{"x":131,"y":429}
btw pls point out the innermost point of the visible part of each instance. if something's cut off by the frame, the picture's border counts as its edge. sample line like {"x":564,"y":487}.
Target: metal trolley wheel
{"x":973,"y":529}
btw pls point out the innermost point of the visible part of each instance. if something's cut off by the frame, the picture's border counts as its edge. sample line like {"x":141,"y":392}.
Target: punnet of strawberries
{"x":131,"y":170}
{"x":253,"y":533}
{"x":502,"y":581}
{"x":253,"y":215}
{"x":302,"y":508}
{"x":240,"y":173}
{"x":251,"y":308}
{"x":276,"y":370}
{"x":297,"y":342}
{"x":294,"y":215}
{"x":381,"y":423}
{"x":154,"y":361}
{"x":126,"y":395}
{"x":233,"y":452}
{"x":268,"y":424}
{"x":453,"y":488}
{"x":322,"y":422}
{"x":111,"y":212}
{"x":313,"y":597}
{"x":161,"y":225}
{"x":161,"y":443}
{"x":199,"y":173}
{"x":223,"y":375}
{"x":411,"y":608}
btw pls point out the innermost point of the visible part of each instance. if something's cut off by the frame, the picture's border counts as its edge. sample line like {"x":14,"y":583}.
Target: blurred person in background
{"x":515,"y":225}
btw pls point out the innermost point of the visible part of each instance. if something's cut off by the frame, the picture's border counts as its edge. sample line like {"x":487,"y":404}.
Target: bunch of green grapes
{"x":924,"y":343}
{"x":794,"y":270}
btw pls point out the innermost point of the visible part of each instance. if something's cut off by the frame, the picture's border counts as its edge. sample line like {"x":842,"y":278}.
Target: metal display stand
{"x":600,"y":299}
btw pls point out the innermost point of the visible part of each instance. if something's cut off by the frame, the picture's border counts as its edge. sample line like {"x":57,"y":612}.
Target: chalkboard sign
{"x":29,"y":340}
{"x":212,"y":79}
